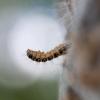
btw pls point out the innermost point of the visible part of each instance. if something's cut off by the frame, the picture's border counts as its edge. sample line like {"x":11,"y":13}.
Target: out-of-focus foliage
{"x":41,"y":90}
{"x":29,"y":3}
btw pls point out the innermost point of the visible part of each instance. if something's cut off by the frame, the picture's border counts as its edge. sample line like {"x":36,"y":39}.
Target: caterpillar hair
{"x":39,"y":56}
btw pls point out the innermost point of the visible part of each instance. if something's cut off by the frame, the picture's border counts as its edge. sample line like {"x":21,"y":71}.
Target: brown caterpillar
{"x":39,"y":56}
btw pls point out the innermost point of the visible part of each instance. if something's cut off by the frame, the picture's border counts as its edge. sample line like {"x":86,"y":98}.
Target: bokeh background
{"x":28,"y":24}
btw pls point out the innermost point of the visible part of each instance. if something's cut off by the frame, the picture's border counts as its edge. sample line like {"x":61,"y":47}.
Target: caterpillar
{"x":40,"y":56}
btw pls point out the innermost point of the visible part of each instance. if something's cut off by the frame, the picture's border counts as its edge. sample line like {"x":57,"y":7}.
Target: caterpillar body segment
{"x":39,"y":56}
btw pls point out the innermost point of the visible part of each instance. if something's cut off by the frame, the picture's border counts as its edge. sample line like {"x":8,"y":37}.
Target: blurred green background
{"x":37,"y":89}
{"x":41,"y":90}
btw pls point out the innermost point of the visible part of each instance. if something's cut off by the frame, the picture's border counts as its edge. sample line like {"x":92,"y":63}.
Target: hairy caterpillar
{"x":39,"y":56}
